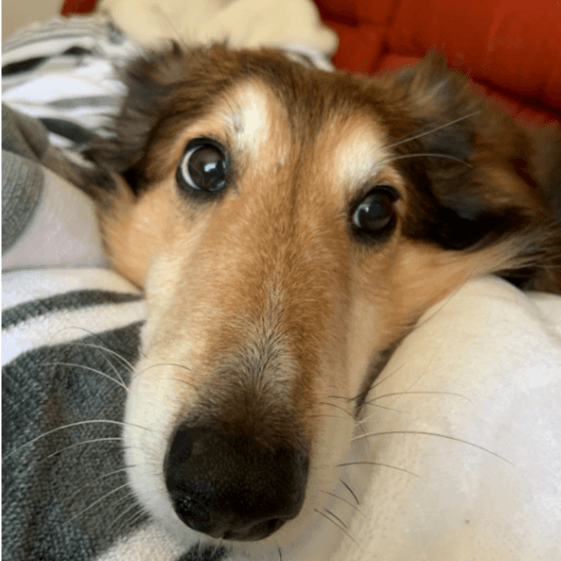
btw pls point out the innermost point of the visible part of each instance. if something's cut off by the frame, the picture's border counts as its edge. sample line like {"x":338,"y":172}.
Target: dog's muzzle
{"x":231,"y":487}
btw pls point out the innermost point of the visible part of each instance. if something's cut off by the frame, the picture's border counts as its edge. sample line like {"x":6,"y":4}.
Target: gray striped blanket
{"x":70,"y":327}
{"x":70,"y":337}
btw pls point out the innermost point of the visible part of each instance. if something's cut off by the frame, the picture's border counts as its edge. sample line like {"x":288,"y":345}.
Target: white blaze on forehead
{"x":250,"y":116}
{"x":360,"y":154}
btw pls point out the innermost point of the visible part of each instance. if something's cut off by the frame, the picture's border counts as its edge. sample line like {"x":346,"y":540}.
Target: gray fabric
{"x":23,"y":135}
{"x":67,"y":301}
{"x":208,"y":553}
{"x":22,"y":185}
{"x":47,"y":499}
{"x":26,"y":153}
{"x":63,"y":498}
{"x":24,"y":143}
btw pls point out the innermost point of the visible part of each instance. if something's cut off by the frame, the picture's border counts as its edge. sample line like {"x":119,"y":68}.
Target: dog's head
{"x":290,"y":226}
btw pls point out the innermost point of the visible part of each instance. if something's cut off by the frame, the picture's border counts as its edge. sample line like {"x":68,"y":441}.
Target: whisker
{"x":163,"y":364}
{"x":345,"y":411}
{"x":65,"y":448}
{"x":349,"y":399}
{"x":119,"y":377}
{"x":425,"y":133}
{"x":369,"y":402}
{"x":427,"y":155}
{"x":378,"y":406}
{"x":138,"y":516}
{"x":89,"y":332}
{"x":385,"y":378}
{"x":336,"y":407}
{"x":344,"y":530}
{"x":350,"y":491}
{"x":124,"y":499}
{"x":182,"y":381}
{"x":94,"y":481}
{"x":96,"y":502}
{"x":336,"y":517}
{"x":364,"y":462}
{"x":426,"y":369}
{"x":117,"y":355}
{"x":89,"y":368}
{"x":167,"y":364}
{"x":345,"y":501}
{"x":70,"y":425}
{"x":325,"y":416}
{"x":280,"y":553}
{"x":134,"y":505}
{"x":427,"y":433}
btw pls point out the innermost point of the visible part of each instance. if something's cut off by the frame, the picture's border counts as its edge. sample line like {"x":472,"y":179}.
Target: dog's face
{"x":289,"y":227}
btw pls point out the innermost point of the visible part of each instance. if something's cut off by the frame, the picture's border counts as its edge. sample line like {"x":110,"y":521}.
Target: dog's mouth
{"x":230,"y":486}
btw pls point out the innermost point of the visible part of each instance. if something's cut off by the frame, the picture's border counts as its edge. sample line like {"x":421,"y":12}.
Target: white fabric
{"x":492,"y":355}
{"x":46,"y":330}
{"x":76,"y":75}
{"x":62,"y":232}
{"x":247,"y":23}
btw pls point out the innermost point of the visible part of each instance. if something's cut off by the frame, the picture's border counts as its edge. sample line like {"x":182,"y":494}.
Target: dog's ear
{"x":478,"y":177}
{"x":147,"y":82}
{"x":545,"y":159}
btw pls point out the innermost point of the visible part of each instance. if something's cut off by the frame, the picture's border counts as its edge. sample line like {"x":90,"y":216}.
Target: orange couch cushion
{"x":511,"y":47}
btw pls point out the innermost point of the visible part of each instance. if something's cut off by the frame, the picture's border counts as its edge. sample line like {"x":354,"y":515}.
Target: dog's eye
{"x":203,"y":167}
{"x":376,"y":213}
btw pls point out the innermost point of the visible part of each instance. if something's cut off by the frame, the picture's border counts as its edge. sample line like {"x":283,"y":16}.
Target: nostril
{"x":273,"y":525}
{"x":230,"y":486}
{"x":193,"y":513}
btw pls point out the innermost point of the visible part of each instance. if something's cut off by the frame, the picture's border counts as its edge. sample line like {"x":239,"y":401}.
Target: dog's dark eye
{"x":376,"y":213}
{"x":203,"y":167}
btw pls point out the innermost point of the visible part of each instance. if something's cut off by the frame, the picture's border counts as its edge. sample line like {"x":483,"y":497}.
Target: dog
{"x":289,"y":227}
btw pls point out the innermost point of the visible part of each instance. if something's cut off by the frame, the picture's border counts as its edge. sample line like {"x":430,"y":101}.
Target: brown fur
{"x":265,"y":292}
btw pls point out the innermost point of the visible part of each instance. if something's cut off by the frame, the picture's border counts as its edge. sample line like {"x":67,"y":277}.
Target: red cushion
{"x":512,"y":47}
{"x":515,"y":44}
{"x":77,"y":6}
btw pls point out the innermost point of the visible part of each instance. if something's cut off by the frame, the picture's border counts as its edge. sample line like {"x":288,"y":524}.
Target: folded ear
{"x":478,"y":177}
{"x":147,"y":81}
{"x":545,"y":161}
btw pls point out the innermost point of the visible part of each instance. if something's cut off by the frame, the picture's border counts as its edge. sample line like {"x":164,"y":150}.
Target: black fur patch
{"x":440,"y":156}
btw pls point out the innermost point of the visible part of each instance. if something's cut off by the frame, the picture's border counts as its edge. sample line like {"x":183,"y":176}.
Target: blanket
{"x":459,"y":456}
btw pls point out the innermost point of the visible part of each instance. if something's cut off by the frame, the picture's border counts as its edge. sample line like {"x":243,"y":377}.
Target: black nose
{"x":231,"y":487}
